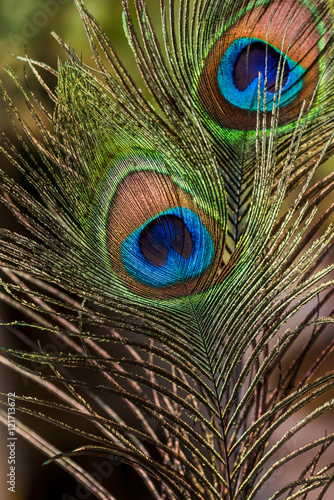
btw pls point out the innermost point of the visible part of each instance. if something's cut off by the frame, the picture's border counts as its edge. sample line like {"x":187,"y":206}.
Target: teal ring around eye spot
{"x":176,"y":268}
{"x":248,"y":99}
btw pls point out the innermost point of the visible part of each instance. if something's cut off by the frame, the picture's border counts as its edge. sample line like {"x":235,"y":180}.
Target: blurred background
{"x":25,"y":25}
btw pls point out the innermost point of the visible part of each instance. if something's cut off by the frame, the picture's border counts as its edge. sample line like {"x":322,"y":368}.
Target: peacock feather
{"x":175,"y":249}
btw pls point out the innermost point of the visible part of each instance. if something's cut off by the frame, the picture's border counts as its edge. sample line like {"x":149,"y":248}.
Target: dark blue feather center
{"x":239,"y":80}
{"x":173,"y":247}
{"x":165,"y":233}
{"x":255,"y":58}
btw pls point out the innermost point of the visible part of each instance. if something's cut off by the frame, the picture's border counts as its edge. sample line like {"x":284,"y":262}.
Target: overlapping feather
{"x":201,"y":336}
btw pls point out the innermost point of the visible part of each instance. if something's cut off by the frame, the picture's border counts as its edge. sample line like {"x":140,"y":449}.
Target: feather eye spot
{"x":245,"y":62}
{"x":259,"y":57}
{"x":161,"y":243}
{"x":165,"y":233}
{"x":282,"y":41}
{"x":174,"y":247}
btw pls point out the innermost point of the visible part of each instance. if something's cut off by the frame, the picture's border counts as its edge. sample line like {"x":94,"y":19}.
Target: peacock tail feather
{"x":175,"y":247}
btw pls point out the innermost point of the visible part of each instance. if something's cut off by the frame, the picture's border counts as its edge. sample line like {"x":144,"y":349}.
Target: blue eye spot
{"x":165,"y":233}
{"x":173,"y":247}
{"x":238,"y":77}
{"x":252,"y":60}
